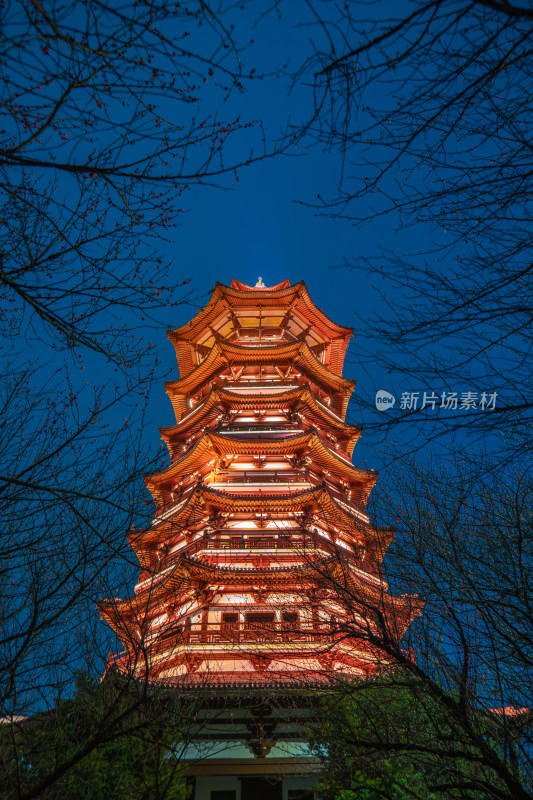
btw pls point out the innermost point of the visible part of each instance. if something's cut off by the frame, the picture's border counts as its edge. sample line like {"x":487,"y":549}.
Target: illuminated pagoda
{"x":260,"y":497}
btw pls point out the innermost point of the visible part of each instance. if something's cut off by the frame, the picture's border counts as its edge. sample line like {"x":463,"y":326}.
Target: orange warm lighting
{"x":259,"y":502}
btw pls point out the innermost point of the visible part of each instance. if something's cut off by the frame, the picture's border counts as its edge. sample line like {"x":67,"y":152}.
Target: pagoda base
{"x":252,"y":785}
{"x":250,"y":744}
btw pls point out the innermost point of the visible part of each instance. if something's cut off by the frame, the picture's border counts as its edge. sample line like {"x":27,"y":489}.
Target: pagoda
{"x":259,"y":502}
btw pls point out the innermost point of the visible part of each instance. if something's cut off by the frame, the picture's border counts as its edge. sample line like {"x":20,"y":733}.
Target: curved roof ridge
{"x":262,"y":353}
{"x":302,"y":394}
{"x":221,"y":291}
{"x":243,"y":287}
{"x":210,"y":441}
{"x":346,"y":328}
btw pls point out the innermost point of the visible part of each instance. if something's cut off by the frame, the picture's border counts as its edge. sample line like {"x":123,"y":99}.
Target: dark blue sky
{"x":260,"y":225}
{"x":259,"y":229}
{"x":260,"y":221}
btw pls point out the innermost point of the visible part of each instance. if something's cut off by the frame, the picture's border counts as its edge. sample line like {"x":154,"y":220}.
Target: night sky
{"x":263,"y":225}
{"x":258,"y":229}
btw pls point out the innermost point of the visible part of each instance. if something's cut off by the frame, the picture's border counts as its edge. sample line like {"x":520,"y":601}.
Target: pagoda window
{"x":290,"y":623}
{"x":259,"y":623}
{"x":229,"y":626}
{"x":261,"y":789}
{"x":236,"y":542}
{"x":265,"y":542}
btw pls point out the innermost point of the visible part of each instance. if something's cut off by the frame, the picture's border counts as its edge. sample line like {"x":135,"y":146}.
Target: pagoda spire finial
{"x":259,"y":283}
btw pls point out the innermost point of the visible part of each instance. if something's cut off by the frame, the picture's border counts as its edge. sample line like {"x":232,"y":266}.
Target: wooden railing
{"x":225,"y":541}
{"x":262,"y":476}
{"x":218,"y":634}
{"x":262,"y":543}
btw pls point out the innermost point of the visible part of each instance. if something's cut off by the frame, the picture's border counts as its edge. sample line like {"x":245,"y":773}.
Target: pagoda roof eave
{"x":176,"y":518}
{"x":251,"y":296}
{"x":121,"y":618}
{"x":188,"y":573}
{"x":221,"y":445}
{"x":320,"y":498}
{"x":346,"y":650}
{"x":235,"y":353}
{"x":205,"y":315}
{"x":344,"y":330}
{"x":302,"y":394}
{"x":203,"y":495}
{"x":181,"y":388}
{"x":250,"y":684}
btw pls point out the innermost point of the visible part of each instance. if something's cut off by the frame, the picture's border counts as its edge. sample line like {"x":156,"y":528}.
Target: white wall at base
{"x":202,"y":751}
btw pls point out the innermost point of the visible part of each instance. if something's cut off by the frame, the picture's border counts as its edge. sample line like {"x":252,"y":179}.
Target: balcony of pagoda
{"x":280,"y":430}
{"x":246,"y":477}
{"x":253,"y":384}
{"x":225,"y":548}
{"x":216,"y":634}
{"x":272,"y":429}
{"x":228,"y":635}
{"x":253,"y":540}
{"x":298,"y":541}
{"x":248,"y":480}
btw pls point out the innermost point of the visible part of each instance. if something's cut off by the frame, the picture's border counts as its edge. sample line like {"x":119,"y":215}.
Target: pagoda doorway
{"x":261,"y":789}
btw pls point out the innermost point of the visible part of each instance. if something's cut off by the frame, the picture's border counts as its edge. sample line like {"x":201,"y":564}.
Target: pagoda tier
{"x":265,"y":368}
{"x":260,"y":530}
{"x":319,"y":515}
{"x":257,"y":315}
{"x":299,"y":406}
